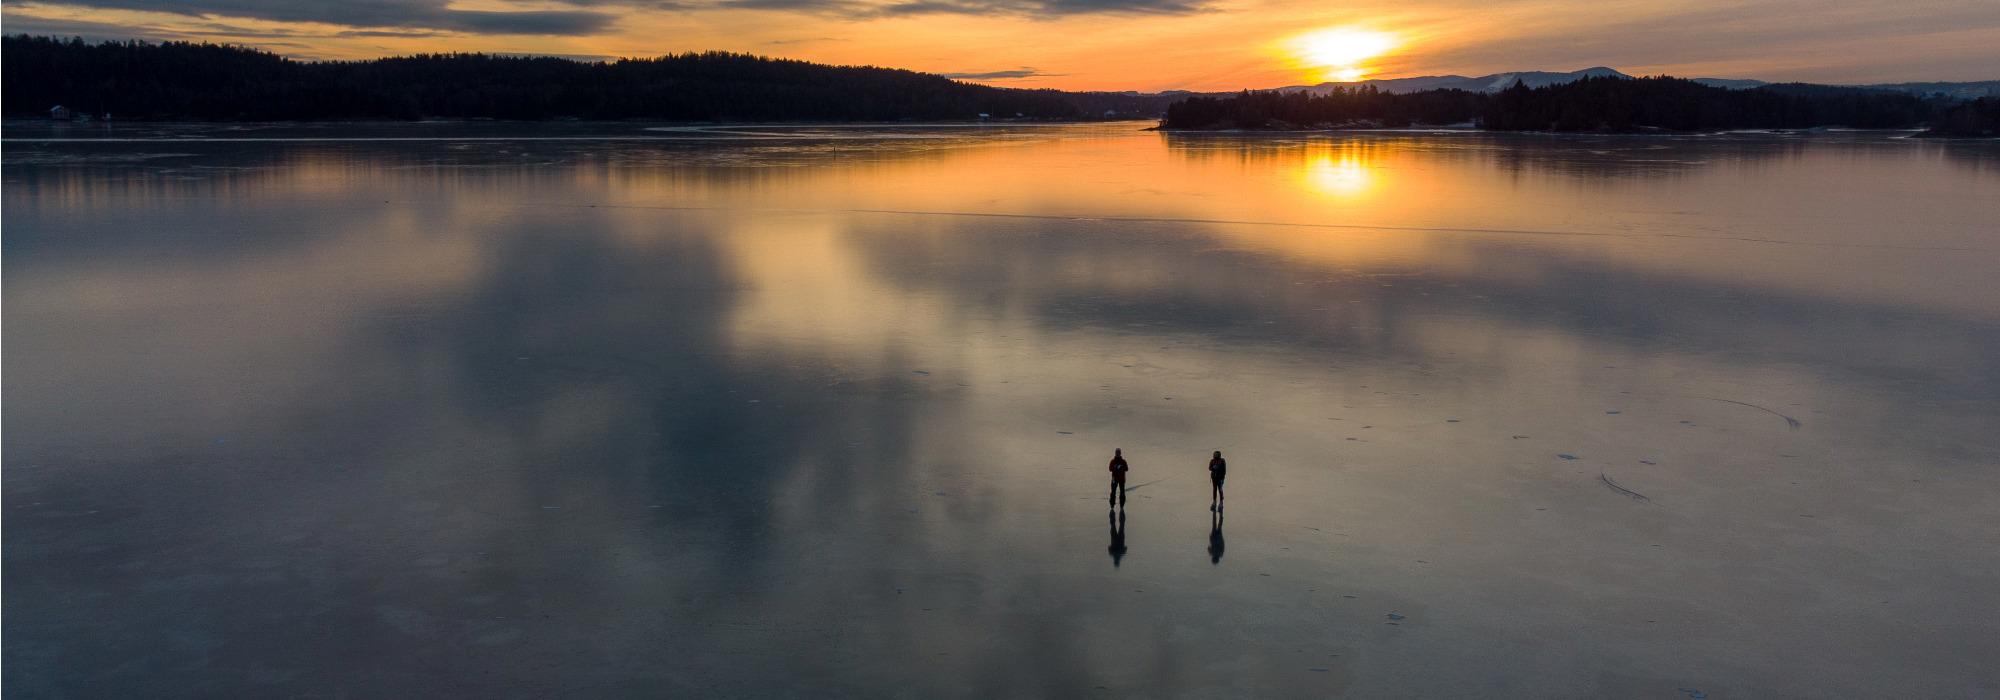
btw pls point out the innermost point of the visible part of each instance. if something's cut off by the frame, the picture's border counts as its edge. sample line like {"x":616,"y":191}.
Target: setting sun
{"x":1341,"y":54}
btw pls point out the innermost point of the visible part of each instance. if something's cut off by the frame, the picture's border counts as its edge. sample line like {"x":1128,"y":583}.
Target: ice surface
{"x":599,"y":411}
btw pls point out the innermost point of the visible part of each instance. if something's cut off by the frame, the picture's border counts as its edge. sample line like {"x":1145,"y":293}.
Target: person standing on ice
{"x":1118,"y":469}
{"x":1217,"y":469}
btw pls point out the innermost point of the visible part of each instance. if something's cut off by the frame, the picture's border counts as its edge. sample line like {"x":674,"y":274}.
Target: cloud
{"x":1840,"y":41}
{"x":636,"y":4}
{"x":374,"y":14}
{"x":203,"y":31}
{"x":557,"y":22}
{"x":93,"y":31}
{"x":862,"y":9}
{"x":388,"y":33}
{"x":422,"y":18}
{"x":106,"y":31}
{"x":1017,"y":74}
{"x":1043,"y":8}
{"x":578,"y":57}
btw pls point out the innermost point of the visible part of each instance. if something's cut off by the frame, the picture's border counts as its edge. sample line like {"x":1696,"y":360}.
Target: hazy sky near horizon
{"x":1116,"y":44}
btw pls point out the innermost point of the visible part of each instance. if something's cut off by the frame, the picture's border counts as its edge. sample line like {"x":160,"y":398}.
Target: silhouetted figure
{"x":1217,"y":469}
{"x":1118,"y":469}
{"x":1117,"y":548}
{"x":1215,"y":538}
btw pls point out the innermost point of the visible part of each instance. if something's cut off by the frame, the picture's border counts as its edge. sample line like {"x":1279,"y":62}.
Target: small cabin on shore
{"x":59,"y":113}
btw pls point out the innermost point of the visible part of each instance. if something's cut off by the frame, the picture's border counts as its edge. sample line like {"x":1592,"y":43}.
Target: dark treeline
{"x":1342,"y":107}
{"x":1590,"y":104}
{"x":1979,"y":117}
{"x":177,"y":80}
{"x":1628,"y":104}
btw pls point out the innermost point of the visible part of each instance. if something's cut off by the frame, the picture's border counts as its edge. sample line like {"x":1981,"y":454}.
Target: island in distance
{"x":1500,"y":81}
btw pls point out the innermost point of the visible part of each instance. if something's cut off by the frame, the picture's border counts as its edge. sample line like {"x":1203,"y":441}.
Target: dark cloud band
{"x":585,"y":17}
{"x":1018,"y":8}
{"x":1017,"y":74}
{"x":376,"y":14}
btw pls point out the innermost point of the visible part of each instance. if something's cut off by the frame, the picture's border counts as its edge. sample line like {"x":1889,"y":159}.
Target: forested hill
{"x":1590,"y":104}
{"x":176,"y":80}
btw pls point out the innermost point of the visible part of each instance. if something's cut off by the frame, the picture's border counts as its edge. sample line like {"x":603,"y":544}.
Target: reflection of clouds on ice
{"x":638,"y":419}
{"x":59,"y":158}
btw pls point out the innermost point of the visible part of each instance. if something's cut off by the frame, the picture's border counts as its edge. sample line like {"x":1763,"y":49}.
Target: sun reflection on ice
{"x":1345,"y":175}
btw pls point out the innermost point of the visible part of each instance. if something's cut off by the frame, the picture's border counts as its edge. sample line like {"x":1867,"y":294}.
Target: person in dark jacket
{"x":1118,"y":469}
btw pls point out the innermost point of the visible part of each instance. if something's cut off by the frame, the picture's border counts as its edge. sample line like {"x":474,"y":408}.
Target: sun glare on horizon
{"x":1341,"y":53}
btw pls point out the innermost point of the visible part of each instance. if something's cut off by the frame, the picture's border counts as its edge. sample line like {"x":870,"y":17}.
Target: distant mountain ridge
{"x":1501,"y":81}
{"x":1485,"y":83}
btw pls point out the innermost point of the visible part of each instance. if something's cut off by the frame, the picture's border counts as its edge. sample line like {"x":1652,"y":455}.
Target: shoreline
{"x":1441,"y":130}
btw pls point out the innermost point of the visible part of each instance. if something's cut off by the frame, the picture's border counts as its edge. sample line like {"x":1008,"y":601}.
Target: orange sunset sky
{"x":1116,"y":44}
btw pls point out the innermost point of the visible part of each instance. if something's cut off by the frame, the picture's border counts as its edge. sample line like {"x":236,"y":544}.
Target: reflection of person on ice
{"x":1117,"y":548}
{"x":1215,"y":544}
{"x":1118,"y":469}
{"x":1217,"y":468}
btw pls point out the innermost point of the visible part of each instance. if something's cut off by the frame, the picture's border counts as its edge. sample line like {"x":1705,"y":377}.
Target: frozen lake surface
{"x":596,"y":410}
